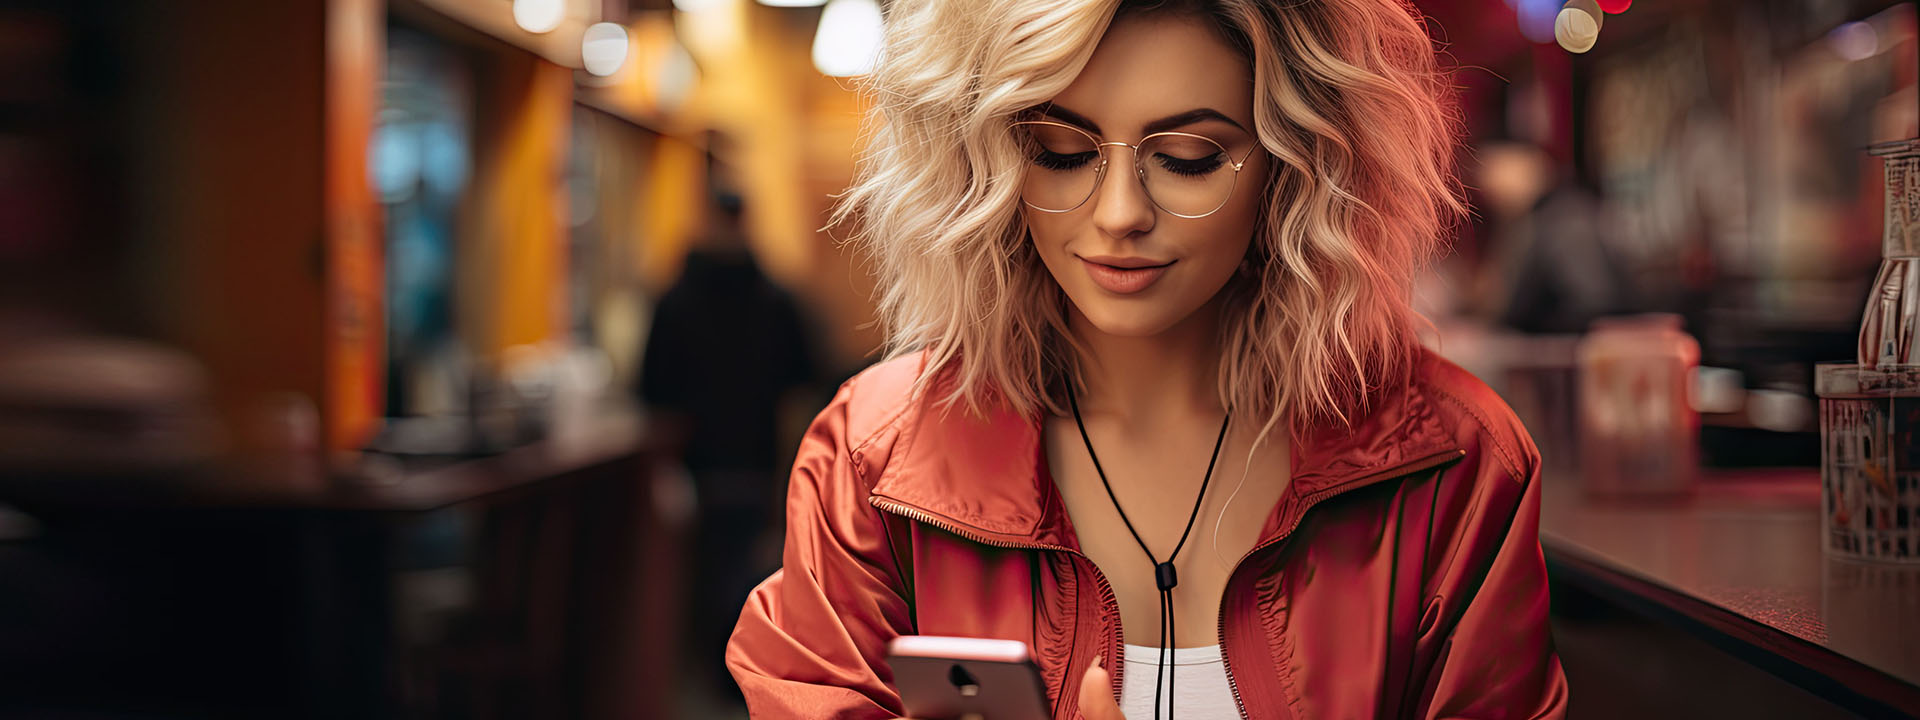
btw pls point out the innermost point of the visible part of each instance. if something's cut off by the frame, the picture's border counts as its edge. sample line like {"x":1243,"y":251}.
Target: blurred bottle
{"x":1639,"y":433}
{"x":1888,"y":325}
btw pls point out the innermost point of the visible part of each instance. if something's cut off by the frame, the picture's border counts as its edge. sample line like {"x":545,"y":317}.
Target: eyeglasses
{"x":1186,"y":175}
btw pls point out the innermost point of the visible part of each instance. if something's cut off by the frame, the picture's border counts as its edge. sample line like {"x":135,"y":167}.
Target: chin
{"x":1129,"y":319}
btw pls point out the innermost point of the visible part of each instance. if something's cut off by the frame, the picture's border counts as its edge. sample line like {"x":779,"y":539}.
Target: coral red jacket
{"x":1399,"y":576}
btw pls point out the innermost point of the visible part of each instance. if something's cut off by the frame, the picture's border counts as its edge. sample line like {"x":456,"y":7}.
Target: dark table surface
{"x":1741,"y":561}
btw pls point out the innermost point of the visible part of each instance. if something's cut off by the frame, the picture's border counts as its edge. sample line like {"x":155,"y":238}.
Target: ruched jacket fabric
{"x":1399,"y":575}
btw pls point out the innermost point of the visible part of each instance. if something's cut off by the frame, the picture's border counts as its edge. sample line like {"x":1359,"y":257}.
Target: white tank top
{"x":1201,"y":690}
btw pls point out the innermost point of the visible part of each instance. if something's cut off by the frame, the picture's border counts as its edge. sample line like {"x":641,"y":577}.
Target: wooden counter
{"x":1740,"y":564}
{"x":281,"y":591}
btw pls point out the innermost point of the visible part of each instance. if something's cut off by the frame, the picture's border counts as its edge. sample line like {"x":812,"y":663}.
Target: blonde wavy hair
{"x":1350,"y":101}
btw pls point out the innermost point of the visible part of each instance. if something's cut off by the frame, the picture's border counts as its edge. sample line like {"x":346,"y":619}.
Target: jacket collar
{"x":986,"y":476}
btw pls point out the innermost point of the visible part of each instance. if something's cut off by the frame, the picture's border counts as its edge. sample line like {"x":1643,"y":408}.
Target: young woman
{"x":1156,"y":405}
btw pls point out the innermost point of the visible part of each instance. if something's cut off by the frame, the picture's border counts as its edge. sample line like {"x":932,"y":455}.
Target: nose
{"x":1121,"y":207}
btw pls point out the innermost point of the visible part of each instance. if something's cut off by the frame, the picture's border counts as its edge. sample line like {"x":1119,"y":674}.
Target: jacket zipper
{"x":1111,"y":605}
{"x":1108,"y":602}
{"x":1226,"y":662}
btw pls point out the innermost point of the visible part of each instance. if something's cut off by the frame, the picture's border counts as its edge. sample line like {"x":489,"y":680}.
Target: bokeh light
{"x":848,"y":38}
{"x":1536,"y":19}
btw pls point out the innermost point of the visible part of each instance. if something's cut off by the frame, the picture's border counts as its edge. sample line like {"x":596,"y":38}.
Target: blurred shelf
{"x":373,"y":483}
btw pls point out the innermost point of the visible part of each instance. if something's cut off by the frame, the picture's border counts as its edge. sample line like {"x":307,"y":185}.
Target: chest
{"x":1157,"y":499}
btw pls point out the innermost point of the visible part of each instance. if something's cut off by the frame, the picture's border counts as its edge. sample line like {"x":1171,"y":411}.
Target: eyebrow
{"x":1161,"y":125}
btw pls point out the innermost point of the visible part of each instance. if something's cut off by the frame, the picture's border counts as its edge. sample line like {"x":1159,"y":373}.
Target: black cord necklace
{"x":1163,"y":574}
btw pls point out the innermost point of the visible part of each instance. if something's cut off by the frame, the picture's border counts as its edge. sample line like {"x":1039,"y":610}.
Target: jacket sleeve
{"x":1496,"y":657}
{"x":811,"y":640}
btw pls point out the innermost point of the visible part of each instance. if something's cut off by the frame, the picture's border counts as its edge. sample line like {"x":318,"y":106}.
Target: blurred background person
{"x":1548,"y":271}
{"x":727,"y":349}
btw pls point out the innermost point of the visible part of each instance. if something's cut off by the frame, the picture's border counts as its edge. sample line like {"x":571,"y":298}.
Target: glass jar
{"x":1639,"y":432}
{"x":1869,"y":462}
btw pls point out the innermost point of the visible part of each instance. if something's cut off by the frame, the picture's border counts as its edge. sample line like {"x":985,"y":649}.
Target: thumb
{"x":1096,"y":694}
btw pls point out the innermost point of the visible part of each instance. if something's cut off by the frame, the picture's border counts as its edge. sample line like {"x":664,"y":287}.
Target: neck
{"x":1143,"y":380}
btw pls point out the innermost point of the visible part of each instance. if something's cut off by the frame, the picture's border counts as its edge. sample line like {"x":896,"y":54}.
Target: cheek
{"x":1045,"y":231}
{"x":1231,"y":232}
{"x":1225,"y":244}
{"x":1242,"y":216}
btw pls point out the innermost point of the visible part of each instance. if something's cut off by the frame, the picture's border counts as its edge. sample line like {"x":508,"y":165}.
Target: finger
{"x":1096,"y":694}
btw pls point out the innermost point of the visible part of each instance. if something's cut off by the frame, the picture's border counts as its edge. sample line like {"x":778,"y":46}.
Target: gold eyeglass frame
{"x":1139,"y":169}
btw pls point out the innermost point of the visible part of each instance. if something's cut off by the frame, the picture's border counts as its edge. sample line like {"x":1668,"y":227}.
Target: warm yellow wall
{"x":841,"y":287}
{"x":674,"y":197}
{"x":356,"y":277}
{"x":796,"y":133}
{"x":758,"y":78}
{"x":514,"y":254}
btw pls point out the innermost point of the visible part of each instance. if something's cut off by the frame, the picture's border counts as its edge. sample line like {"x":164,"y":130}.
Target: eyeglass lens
{"x":1184,"y":174}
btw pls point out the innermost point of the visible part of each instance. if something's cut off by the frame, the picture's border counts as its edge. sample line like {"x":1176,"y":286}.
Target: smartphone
{"x":955,"y":678}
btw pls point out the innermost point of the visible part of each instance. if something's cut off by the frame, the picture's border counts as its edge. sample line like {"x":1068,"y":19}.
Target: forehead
{"x":1151,"y":66}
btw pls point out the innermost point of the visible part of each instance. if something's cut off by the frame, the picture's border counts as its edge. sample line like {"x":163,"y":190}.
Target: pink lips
{"x":1123,"y":276}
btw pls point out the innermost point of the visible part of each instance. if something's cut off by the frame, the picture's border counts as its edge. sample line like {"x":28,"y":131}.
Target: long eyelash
{"x":1061,"y":161}
{"x":1183,"y":166}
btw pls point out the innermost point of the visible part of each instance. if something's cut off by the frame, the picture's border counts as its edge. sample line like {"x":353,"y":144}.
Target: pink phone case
{"x":955,"y":678}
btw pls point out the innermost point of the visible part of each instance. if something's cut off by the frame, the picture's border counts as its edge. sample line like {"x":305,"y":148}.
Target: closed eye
{"x":1191,"y":167}
{"x":1062,"y":161}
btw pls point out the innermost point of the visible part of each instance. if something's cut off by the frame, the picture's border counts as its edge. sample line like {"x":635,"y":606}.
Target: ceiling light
{"x":848,"y":38}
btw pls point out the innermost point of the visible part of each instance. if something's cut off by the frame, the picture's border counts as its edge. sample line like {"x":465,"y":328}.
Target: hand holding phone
{"x":959,"y":678}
